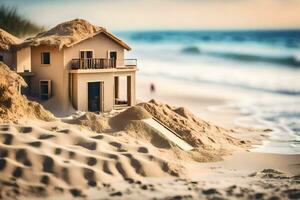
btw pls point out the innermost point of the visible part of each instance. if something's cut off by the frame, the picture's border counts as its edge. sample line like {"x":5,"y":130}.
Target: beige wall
{"x":8,"y":58}
{"x":100,"y":44}
{"x":18,"y":60}
{"x":55,"y":71}
{"x":80,"y":88}
{"x":23,"y":59}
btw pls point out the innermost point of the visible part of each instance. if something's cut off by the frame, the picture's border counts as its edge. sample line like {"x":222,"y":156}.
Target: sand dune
{"x":90,"y":151}
{"x":210,"y":142}
{"x":195,"y":131}
{"x":35,"y":158}
{"x":13,"y":105}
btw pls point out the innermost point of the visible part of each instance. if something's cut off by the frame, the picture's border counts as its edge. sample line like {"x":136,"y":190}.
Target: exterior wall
{"x":100,"y":44}
{"x":8,"y":58}
{"x":56,"y":72}
{"x":23,"y":59}
{"x":80,"y":88}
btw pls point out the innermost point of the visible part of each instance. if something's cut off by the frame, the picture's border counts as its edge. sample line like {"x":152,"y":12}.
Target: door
{"x":113,"y":57}
{"x":94,"y":97}
{"x":86,"y":59}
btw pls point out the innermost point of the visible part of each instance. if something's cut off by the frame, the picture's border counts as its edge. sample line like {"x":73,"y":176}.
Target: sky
{"x":165,"y":14}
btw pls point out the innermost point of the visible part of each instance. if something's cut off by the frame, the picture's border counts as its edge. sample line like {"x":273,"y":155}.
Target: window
{"x":1,"y":58}
{"x":86,"y":54}
{"x":45,"y":58}
{"x":86,"y":59}
{"x":113,"y":58}
{"x":113,"y":55}
{"x":45,"y":89}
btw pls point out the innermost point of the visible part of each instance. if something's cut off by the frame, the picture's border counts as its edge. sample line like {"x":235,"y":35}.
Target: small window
{"x":45,"y":58}
{"x":45,"y":89}
{"x":1,"y":58}
{"x":86,"y":54}
{"x":113,"y":55}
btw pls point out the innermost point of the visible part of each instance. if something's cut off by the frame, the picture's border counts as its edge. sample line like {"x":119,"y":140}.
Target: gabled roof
{"x":7,"y":40}
{"x":69,"y":33}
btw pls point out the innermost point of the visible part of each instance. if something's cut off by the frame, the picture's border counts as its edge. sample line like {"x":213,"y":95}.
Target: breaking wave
{"x":287,"y":60}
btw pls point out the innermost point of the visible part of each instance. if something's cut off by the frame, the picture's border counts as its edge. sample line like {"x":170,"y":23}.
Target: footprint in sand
{"x":45,"y":179}
{"x":21,"y":156}
{"x":48,"y":164}
{"x":36,"y":144}
{"x":106,"y":168}
{"x":7,"y":138}
{"x":3,"y":153}
{"x":65,"y":131}
{"x":87,"y":144}
{"x":91,"y":161}
{"x":76,"y":193}
{"x":46,"y":136}
{"x":17,"y":172}
{"x":116,"y":194}
{"x":57,"y":151}
{"x":72,"y":154}
{"x":2,"y":164}
{"x":24,"y":129}
{"x":142,"y":150}
{"x":98,"y":137}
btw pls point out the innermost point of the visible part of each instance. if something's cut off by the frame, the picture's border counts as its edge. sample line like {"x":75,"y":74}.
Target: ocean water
{"x":265,"y":63}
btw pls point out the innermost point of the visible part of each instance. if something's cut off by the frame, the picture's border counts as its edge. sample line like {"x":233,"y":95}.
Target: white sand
{"x":118,"y":156}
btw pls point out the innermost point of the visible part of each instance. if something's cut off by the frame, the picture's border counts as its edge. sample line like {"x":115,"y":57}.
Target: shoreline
{"x":217,"y":105}
{"x":203,"y":100}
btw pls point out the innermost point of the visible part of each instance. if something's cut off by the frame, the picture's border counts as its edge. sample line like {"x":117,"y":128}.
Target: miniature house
{"x":77,"y":64}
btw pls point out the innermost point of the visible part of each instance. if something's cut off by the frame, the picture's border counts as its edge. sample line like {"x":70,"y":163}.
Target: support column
{"x":116,"y":87}
{"x":129,"y":90}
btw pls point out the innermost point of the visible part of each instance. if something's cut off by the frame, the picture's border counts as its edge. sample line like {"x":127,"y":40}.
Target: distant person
{"x":152,"y":88}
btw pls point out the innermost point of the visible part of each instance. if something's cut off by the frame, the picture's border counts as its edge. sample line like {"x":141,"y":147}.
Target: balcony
{"x":102,"y":63}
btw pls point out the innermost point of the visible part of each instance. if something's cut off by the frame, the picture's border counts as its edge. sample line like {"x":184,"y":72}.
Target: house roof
{"x":70,"y":33}
{"x":7,"y":40}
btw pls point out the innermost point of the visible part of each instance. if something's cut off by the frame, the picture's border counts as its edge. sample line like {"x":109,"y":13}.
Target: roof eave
{"x":120,"y":42}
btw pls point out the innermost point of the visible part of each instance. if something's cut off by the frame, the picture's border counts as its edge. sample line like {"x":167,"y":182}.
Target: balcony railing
{"x":101,"y":63}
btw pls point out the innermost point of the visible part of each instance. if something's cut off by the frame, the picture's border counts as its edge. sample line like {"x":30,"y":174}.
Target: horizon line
{"x":205,"y":29}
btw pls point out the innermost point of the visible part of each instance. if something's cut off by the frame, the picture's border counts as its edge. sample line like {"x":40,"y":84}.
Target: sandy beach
{"x":66,"y":162}
{"x":117,"y":155}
